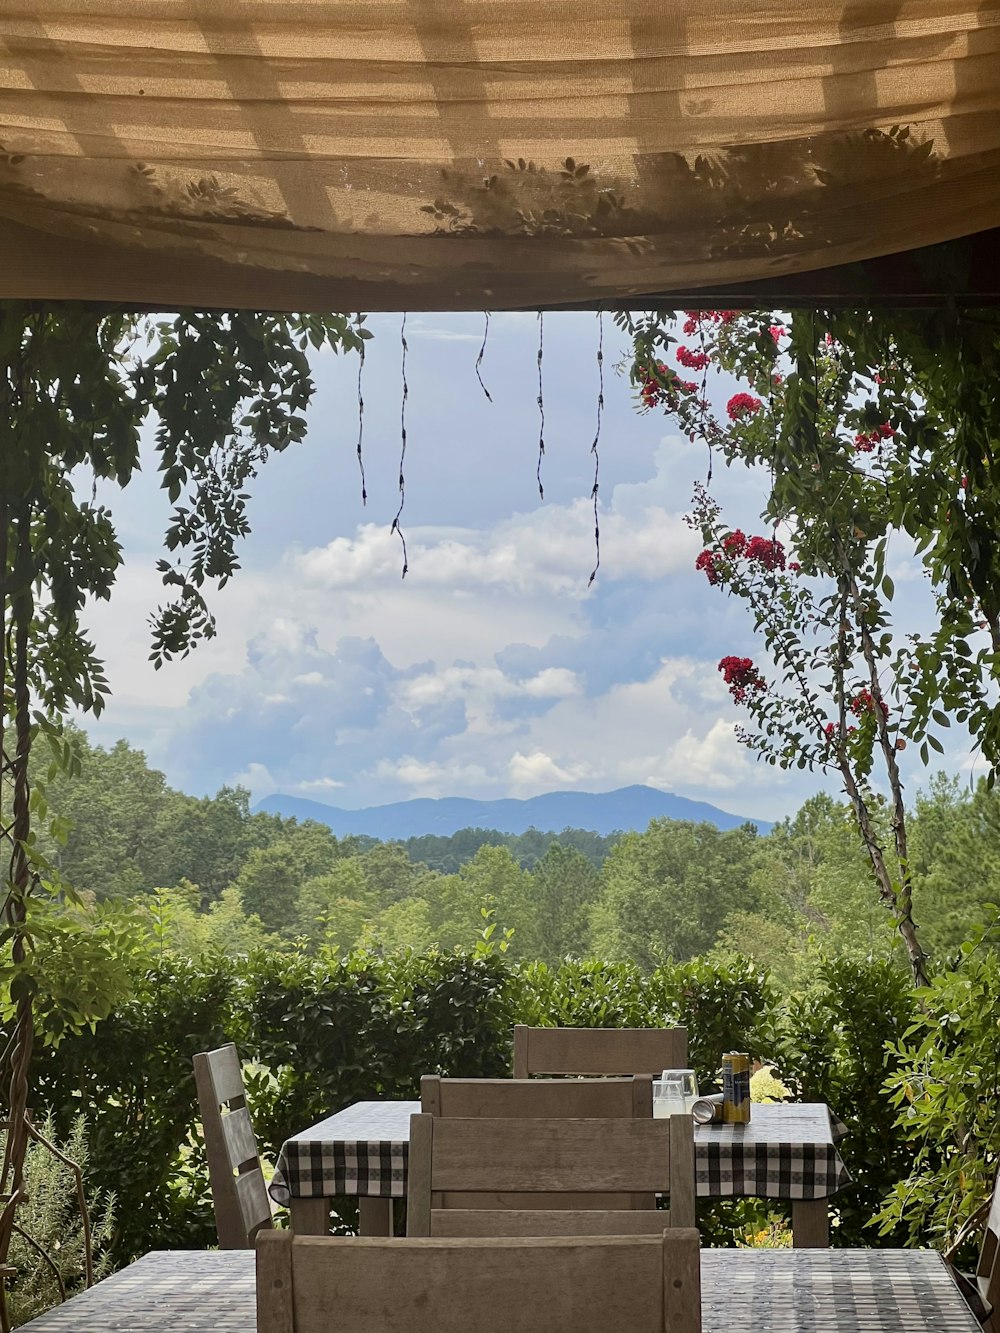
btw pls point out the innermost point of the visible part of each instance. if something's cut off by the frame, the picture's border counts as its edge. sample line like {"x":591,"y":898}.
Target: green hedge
{"x":326,"y":1034}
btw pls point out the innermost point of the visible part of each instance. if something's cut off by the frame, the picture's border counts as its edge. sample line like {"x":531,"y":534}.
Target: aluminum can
{"x":736,"y":1088}
{"x":708,"y":1110}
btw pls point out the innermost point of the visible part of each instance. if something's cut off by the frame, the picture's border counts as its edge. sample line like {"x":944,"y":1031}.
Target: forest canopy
{"x":211,"y":875}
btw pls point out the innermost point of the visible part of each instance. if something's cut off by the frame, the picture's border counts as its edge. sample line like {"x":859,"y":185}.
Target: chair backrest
{"x":460,"y":1170}
{"x":330,"y":1284}
{"x":988,"y":1268}
{"x":242,"y":1206}
{"x":598,"y":1050}
{"x":537,"y":1098}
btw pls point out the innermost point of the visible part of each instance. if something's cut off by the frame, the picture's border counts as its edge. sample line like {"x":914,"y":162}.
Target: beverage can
{"x":707,"y":1110}
{"x":736,"y":1088}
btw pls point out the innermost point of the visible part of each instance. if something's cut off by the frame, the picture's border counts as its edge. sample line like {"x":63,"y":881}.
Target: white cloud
{"x":432,"y":778}
{"x":257,"y":778}
{"x":548,"y":551}
{"x":319,"y":784}
{"x":537,"y":772}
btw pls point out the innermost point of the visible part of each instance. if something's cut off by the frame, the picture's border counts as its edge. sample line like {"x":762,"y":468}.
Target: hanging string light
{"x":482,"y":353}
{"x":402,"y":452}
{"x":541,"y":405}
{"x":594,"y":447}
{"x":361,"y":414}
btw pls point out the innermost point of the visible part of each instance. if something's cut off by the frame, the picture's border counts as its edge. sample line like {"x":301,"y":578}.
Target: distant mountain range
{"x":598,"y":812}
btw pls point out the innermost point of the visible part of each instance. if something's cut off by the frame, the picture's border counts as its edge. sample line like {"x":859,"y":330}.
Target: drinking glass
{"x":674,"y":1093}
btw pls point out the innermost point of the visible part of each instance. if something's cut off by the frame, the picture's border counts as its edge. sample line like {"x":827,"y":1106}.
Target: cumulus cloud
{"x":547,"y":551}
{"x":538,"y":772}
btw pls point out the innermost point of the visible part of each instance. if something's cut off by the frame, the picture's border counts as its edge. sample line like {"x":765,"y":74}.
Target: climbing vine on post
{"x":225,"y":391}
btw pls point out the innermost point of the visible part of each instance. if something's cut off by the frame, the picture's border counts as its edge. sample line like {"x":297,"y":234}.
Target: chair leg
{"x":810,"y":1224}
{"x":374,"y":1216}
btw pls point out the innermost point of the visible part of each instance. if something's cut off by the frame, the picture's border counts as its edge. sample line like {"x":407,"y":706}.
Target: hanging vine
{"x":227,"y":391}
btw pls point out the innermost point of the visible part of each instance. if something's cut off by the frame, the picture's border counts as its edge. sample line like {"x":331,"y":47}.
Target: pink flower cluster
{"x":692,"y":360}
{"x":766,"y":551}
{"x":742,"y":405}
{"x":652,"y":392}
{"x":865,"y":441}
{"x":697,"y":317}
{"x":707,"y":562}
{"x":741,"y":676}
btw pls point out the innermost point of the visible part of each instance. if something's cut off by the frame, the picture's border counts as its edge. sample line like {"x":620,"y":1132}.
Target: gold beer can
{"x":736,"y":1088}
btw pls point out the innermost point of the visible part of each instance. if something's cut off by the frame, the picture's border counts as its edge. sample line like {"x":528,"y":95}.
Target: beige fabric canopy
{"x":451,"y":154}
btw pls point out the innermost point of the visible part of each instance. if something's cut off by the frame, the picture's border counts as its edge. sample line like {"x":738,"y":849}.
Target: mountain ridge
{"x":622,"y":810}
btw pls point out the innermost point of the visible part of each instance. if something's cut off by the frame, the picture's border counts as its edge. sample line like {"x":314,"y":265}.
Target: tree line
{"x":210,"y":875}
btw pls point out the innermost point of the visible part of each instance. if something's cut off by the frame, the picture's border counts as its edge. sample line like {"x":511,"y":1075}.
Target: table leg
{"x":810,"y":1224}
{"x":374,"y":1216}
{"x":310,"y":1217}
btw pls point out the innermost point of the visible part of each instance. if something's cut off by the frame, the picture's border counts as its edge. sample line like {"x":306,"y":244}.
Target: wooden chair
{"x":551,"y":1176}
{"x":598,"y":1050}
{"x":538,"y":1098}
{"x":242,"y":1204}
{"x":329,"y":1284}
{"x":982,"y":1289}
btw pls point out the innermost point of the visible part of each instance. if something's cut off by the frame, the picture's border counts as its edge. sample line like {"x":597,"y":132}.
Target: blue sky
{"x":492,"y":670}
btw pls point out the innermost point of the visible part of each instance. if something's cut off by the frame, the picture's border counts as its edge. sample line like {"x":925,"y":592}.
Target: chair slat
{"x":254,"y":1202}
{"x":225,"y":1074}
{"x":551,"y":1154}
{"x":598,"y":1050}
{"x":549,"y":1221}
{"x":241,"y":1145}
{"x":500,"y":1098}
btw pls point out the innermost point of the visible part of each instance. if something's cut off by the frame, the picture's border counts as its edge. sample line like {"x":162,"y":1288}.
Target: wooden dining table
{"x":788,"y":1152}
{"x":759,"y":1291}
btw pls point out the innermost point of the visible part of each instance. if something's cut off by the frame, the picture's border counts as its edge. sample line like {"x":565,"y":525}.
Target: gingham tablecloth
{"x":758,"y":1291}
{"x":788,"y":1151}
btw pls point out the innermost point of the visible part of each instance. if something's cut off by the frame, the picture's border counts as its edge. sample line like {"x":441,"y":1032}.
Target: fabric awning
{"x":453,"y":154}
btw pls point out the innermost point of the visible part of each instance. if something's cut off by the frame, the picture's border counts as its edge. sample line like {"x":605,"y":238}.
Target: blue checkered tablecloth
{"x":787,"y":1151}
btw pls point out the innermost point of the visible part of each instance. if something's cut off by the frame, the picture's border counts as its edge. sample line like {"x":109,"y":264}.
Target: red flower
{"x":692,"y":360}
{"x":734,"y":543}
{"x":777,"y":332}
{"x":864,"y":702}
{"x":742,"y":405}
{"x":865,"y":442}
{"x":793,"y":566}
{"x":706,"y":561}
{"x":766,"y":551}
{"x":832,"y":728}
{"x":741,"y":675}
